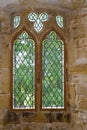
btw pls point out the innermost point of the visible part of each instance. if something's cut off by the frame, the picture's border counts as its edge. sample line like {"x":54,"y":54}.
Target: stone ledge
{"x":47,"y":117}
{"x":37,"y":117}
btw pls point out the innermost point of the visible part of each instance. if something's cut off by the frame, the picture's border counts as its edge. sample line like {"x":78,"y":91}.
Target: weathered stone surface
{"x":75,"y":127}
{"x":82,"y":103}
{"x":82,"y":116}
{"x":76,"y":57}
{"x":27,"y":128}
{"x":50,"y":117}
{"x":85,"y":127}
{"x":19,"y":128}
{"x":5,"y":26}
{"x":10,"y":117}
{"x":47,"y":126}
{"x":46,"y":117}
{"x":72,"y":94}
{"x":82,"y":69}
{"x":68,"y":4}
{"x":5,"y":80}
{"x":34,"y":117}
{"x":82,"y":90}
{"x":39,"y":117}
{"x":78,"y":79}
{"x":4,"y":101}
{"x":1,"y":115}
{"x":6,"y":61}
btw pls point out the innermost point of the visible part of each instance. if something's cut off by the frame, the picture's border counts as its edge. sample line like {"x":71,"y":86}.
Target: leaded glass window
{"x":38,"y":20}
{"x":60,"y":22}
{"x":16,"y":21}
{"x":24,"y":72}
{"x":52,"y":72}
{"x":38,"y":67}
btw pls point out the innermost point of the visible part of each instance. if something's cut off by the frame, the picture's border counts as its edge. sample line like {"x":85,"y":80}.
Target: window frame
{"x":62,"y":38}
{"x":14,"y":36}
{"x":38,"y":39}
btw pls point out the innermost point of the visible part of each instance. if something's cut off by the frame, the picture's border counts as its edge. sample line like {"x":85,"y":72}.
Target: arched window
{"x":24,"y":72}
{"x":52,"y":72}
{"x":38,"y":67}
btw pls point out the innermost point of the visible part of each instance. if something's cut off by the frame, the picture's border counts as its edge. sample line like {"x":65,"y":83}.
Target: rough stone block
{"x":4,"y":101}
{"x":75,"y":127}
{"x":80,"y":69}
{"x":72,"y":93}
{"x":39,"y":117}
{"x":82,"y":117}
{"x":6,"y":61}
{"x":82,"y":104}
{"x":27,"y":128}
{"x":10,"y":117}
{"x":81,"y":90}
{"x":1,"y":114}
{"x":5,"y":80}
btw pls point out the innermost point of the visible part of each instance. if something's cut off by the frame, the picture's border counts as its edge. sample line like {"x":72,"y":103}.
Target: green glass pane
{"x":16,"y":21}
{"x":59,"y":20}
{"x":52,"y":72}
{"x":24,"y":72}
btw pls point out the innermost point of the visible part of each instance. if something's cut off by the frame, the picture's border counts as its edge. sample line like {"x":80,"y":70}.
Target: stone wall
{"x":75,"y":118}
{"x":77,"y":67}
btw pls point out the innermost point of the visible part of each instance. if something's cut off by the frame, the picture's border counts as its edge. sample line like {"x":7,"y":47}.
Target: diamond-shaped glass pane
{"x":53,"y":72}
{"x":24,"y":72}
{"x":38,"y":25}
{"x":16,"y":21}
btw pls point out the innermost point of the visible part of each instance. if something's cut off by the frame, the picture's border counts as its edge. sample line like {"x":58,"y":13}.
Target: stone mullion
{"x":38,"y":77}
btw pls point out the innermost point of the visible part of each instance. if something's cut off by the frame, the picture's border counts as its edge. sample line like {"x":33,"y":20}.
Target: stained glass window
{"x":24,"y":72}
{"x":52,"y":72}
{"x":38,"y":20}
{"x":59,"y":20}
{"x":16,"y":21}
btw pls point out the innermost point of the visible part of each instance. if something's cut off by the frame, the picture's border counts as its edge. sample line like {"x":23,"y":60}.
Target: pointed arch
{"x":22,"y":28}
{"x":23,"y":70}
{"x":53,"y":72}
